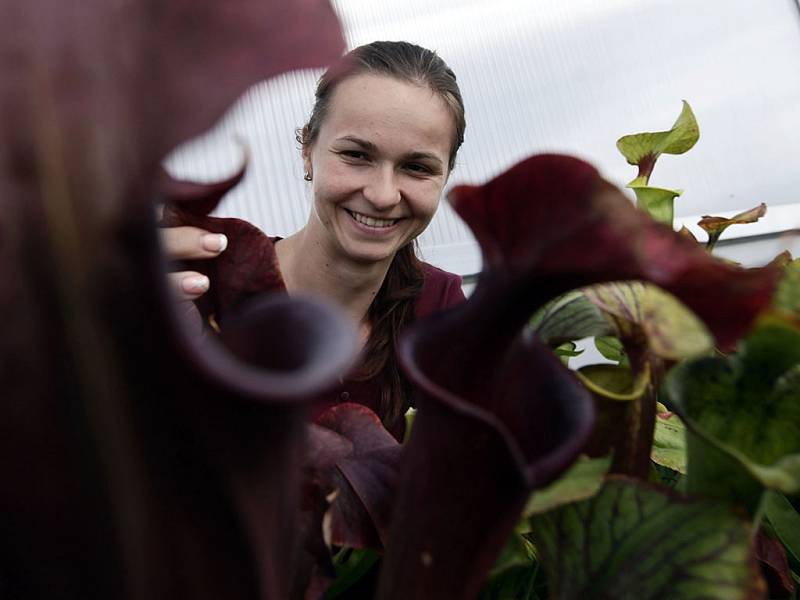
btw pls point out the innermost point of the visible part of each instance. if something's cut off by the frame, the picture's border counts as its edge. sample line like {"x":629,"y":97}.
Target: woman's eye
{"x":418,"y":168}
{"x":354,"y":154}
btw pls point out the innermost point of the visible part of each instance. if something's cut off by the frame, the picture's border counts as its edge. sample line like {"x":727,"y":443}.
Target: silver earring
{"x":307,"y":176}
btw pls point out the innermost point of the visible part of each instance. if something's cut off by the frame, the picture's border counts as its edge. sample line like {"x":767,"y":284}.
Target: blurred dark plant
{"x":138,"y":460}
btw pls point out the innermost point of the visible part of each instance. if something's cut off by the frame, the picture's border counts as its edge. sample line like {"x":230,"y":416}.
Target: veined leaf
{"x":669,"y":442}
{"x":785,"y":522}
{"x":634,"y":541}
{"x":552,"y":224}
{"x":643,"y":149}
{"x":581,"y":481}
{"x":743,"y":414}
{"x":637,"y":309}
{"x":612,"y":349}
{"x":714,"y":226}
{"x":570,"y":316}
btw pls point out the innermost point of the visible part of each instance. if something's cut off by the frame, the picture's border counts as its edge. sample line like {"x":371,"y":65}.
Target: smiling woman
{"x":378,"y":149}
{"x":378,"y":164}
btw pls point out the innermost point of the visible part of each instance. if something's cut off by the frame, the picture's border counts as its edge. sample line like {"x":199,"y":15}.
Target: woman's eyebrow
{"x":359,"y":142}
{"x":423,"y":156}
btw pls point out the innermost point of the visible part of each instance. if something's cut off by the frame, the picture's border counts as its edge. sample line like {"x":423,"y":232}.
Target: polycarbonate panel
{"x":559,"y":76}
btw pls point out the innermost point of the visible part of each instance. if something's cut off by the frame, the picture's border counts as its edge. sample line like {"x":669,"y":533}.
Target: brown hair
{"x":393,"y":307}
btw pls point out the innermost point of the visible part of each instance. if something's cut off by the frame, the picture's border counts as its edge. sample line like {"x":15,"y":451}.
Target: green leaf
{"x":622,"y":303}
{"x":614,"y":382}
{"x":637,"y":310}
{"x":518,"y":551}
{"x":581,"y":481}
{"x":569,"y":317}
{"x":785,"y":522}
{"x":625,"y":408}
{"x":516,"y":574}
{"x":568,"y":350}
{"x":411,"y":414}
{"x":787,"y":296}
{"x":743,"y":416}
{"x":659,"y":203}
{"x":666,"y":477}
{"x":714,"y":226}
{"x":611,"y":348}
{"x":669,"y":442}
{"x":516,"y":583}
{"x":350,"y":570}
{"x":634,"y":541}
{"x":643,"y":149}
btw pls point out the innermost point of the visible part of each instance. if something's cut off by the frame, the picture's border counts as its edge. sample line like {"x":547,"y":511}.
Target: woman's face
{"x":379,"y":164}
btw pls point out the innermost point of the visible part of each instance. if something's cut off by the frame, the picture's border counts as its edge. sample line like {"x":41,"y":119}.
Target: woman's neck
{"x":309,"y":266}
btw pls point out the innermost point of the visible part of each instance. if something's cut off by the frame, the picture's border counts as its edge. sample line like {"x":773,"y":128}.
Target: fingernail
{"x":215,"y":242}
{"x":195,"y":285}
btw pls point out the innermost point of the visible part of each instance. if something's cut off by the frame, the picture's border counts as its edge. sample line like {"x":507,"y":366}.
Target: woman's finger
{"x":186,"y":243}
{"x":188,"y":285}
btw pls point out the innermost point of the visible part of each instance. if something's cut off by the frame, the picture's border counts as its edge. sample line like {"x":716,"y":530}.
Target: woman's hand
{"x":190,"y":243}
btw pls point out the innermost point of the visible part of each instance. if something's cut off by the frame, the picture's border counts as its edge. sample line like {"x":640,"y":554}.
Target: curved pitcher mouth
{"x":537,"y":465}
{"x":277,"y":349}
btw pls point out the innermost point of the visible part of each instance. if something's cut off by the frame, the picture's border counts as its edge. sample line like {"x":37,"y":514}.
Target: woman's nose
{"x":382,"y":190}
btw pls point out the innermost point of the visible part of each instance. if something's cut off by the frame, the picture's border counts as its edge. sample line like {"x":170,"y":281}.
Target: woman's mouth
{"x":371,"y":221}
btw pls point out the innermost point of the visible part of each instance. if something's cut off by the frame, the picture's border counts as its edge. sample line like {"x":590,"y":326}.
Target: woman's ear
{"x":309,"y":171}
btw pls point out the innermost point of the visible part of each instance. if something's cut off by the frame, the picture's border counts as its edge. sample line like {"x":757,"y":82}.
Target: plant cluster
{"x":686,"y":490}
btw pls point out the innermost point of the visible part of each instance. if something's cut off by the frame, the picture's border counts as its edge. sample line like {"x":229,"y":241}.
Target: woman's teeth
{"x":370,"y":221}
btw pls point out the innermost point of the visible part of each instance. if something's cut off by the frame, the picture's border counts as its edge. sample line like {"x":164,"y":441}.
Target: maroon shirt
{"x":440,"y":290}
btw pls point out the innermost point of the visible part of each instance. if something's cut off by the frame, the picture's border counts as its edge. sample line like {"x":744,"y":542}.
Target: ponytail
{"x":392,"y":310}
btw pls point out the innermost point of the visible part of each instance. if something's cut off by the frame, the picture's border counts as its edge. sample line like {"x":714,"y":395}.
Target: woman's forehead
{"x":378,"y":106}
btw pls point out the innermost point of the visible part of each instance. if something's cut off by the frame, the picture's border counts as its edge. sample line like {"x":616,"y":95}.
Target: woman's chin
{"x":368,"y":253}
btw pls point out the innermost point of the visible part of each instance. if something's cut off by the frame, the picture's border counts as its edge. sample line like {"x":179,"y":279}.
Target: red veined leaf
{"x":775,"y":566}
{"x":349,"y":490}
{"x":365,"y":477}
{"x":551,"y":224}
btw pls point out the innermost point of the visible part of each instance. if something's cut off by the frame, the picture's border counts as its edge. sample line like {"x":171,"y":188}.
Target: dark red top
{"x":440,"y":290}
